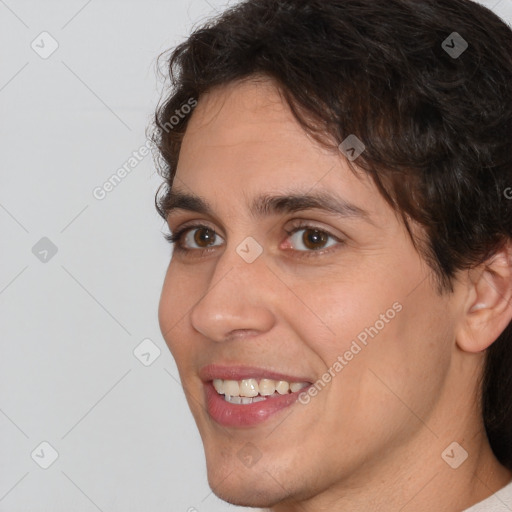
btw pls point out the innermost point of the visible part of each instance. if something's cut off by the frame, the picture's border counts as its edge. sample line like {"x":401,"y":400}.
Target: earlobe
{"x":488,"y":309}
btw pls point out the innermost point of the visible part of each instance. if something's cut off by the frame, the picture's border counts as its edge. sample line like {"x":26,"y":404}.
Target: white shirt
{"x":500,"y":501}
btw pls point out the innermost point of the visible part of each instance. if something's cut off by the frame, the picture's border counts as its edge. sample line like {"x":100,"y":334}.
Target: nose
{"x":238,"y":299}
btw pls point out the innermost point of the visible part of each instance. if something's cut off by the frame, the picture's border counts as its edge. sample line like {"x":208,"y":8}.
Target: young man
{"x":338,"y":300}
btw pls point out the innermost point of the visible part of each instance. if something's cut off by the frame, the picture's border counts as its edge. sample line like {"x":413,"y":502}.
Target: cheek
{"x":401,"y":368}
{"x":418,"y":342}
{"x":166,"y":311}
{"x":177,"y":298}
{"x":335,"y":313}
{"x":383,"y":345}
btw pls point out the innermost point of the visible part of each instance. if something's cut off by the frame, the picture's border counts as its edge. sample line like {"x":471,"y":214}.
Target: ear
{"x":488,"y":307}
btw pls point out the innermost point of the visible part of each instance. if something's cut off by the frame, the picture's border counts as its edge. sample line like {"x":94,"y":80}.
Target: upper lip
{"x":237,"y":372}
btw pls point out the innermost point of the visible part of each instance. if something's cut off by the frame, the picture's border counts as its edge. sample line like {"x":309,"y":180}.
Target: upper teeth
{"x":252,"y":387}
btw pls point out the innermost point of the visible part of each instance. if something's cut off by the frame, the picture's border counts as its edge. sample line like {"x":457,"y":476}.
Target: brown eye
{"x":197,"y":239}
{"x":314,"y":239}
{"x":307,"y":239}
{"x":204,"y":237}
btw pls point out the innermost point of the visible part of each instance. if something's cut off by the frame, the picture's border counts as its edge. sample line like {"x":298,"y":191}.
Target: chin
{"x":244,"y":487}
{"x":236,"y":491}
{"x":247,"y":498}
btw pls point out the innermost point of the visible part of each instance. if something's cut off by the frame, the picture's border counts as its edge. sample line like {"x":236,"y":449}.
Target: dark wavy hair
{"x":437,"y":126}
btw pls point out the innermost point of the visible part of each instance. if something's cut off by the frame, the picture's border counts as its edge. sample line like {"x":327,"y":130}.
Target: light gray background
{"x":125,"y":438}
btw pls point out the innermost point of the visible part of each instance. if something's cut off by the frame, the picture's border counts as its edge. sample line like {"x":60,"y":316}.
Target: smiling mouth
{"x":248,"y":391}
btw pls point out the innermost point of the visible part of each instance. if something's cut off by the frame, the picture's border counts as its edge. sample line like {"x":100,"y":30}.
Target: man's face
{"x":345,"y":296}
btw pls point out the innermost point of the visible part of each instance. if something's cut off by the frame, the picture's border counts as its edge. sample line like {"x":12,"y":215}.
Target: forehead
{"x":246,"y":123}
{"x":243,"y":140}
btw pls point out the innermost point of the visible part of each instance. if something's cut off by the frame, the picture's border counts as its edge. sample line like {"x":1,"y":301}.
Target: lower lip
{"x":240,"y":415}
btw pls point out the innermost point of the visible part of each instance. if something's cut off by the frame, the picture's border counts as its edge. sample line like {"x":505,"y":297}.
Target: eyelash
{"x":176,"y":239}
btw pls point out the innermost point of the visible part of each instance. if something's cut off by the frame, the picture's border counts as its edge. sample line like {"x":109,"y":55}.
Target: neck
{"x":419,"y":483}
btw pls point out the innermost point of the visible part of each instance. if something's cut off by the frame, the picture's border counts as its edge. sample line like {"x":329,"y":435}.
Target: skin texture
{"x":373,"y":438}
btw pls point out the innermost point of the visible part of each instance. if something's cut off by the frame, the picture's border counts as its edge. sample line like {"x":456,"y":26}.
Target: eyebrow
{"x":266,"y":205}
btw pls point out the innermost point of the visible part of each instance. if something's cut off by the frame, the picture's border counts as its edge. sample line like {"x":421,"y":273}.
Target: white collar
{"x":500,"y":501}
